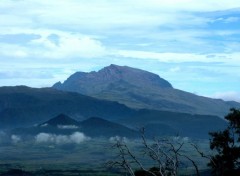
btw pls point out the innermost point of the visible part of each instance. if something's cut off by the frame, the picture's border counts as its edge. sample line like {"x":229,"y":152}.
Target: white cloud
{"x":14,"y":20}
{"x":193,"y":5}
{"x":118,"y":138}
{"x":15,"y":138}
{"x":132,"y":18}
{"x":44,"y":125}
{"x":67,"y":126}
{"x":11,"y":50}
{"x":232,"y":19}
{"x":228,"y":58}
{"x":154,"y":31}
{"x":72,"y":46}
{"x":113,"y":15}
{"x":76,"y":137}
{"x":44,"y":137}
{"x":181,"y":139}
{"x":68,"y":46}
{"x":228,"y":96}
{"x":175,"y":69}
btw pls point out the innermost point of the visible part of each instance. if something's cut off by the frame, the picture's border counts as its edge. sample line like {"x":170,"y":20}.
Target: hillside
{"x":141,"y":89}
{"x":98,"y":127}
{"x":25,"y":106}
{"x":155,"y":123}
{"x":62,"y":120}
{"x":174,"y":123}
{"x":65,"y":125}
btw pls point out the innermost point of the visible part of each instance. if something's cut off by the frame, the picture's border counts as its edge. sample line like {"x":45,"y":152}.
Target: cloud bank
{"x":76,"y":138}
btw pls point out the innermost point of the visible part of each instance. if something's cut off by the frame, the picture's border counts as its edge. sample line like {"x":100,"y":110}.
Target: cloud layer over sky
{"x":194,"y":44}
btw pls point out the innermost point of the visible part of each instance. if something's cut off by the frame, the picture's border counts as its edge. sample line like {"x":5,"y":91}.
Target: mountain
{"x":141,"y":89}
{"x":25,"y":106}
{"x":60,"y":125}
{"x":156,"y":123}
{"x":109,"y":77}
{"x":98,"y":127}
{"x":65,"y":125}
{"x":61,"y":120}
{"x":174,"y":123}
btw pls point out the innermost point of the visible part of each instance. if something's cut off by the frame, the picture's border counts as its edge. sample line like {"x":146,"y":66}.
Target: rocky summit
{"x":108,"y":77}
{"x":138,"y":89}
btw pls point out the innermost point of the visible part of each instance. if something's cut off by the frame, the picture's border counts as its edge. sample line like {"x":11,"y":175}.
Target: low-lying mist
{"x":76,"y":137}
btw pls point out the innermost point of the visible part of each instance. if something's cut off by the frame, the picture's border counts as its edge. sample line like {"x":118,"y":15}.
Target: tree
{"x":166,"y":155}
{"x":226,"y":143}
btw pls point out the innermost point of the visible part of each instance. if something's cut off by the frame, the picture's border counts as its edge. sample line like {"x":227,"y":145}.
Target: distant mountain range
{"x":167,"y":125}
{"x":174,"y":123}
{"x":25,"y":106}
{"x":65,"y":125}
{"x":141,"y":89}
{"x":117,"y":100}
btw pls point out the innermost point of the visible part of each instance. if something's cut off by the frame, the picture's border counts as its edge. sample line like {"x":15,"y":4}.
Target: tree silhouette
{"x":226,"y":143}
{"x":166,"y":155}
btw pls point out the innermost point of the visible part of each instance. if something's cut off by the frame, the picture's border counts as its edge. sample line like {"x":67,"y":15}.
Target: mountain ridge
{"x":93,"y":81}
{"x":155,"y":124}
{"x":22,"y":106}
{"x":62,"y":120}
{"x":65,"y":125}
{"x":141,"y":89}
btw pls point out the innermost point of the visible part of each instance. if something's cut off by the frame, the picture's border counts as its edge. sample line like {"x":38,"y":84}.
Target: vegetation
{"x":165,"y":154}
{"x":226,"y":143}
{"x":85,"y":159}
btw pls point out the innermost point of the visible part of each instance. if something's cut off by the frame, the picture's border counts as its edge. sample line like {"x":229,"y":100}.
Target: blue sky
{"x":194,"y":44}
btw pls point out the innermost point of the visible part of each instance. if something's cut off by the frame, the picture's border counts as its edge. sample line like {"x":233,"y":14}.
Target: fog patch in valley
{"x":118,"y":138}
{"x":15,"y":138}
{"x":75,"y":138}
{"x":44,"y":125}
{"x":182,"y":139}
{"x":67,"y":126}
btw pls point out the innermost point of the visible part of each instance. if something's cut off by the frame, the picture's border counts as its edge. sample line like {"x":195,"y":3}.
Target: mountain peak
{"x":112,"y":77}
{"x":116,"y":67}
{"x":60,"y":119}
{"x":135,"y":76}
{"x":113,"y":66}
